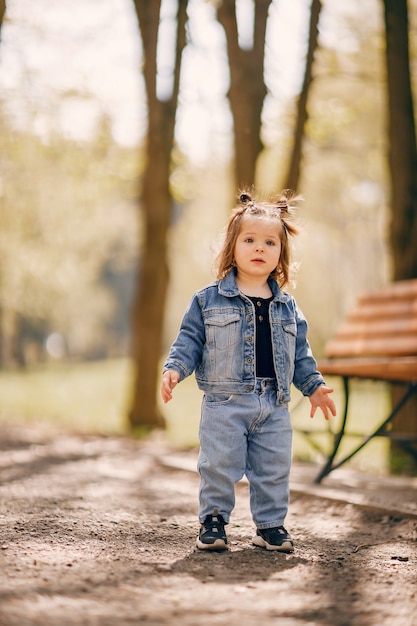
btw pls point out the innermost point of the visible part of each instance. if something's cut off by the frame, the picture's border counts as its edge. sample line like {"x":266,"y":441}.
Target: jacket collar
{"x":227,"y":287}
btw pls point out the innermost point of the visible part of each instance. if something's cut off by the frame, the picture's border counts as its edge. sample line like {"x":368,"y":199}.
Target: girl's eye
{"x":270,"y":243}
{"x":249,"y":240}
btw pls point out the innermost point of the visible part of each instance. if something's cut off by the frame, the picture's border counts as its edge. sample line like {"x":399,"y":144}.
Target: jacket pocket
{"x":222,"y":330}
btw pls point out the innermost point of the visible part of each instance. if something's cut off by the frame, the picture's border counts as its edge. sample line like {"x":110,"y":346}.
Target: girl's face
{"x":258,"y":246}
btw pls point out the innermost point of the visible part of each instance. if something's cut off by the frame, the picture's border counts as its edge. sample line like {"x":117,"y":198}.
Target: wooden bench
{"x":378,"y":341}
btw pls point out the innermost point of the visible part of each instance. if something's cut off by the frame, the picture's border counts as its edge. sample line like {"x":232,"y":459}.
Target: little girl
{"x":246,"y":341}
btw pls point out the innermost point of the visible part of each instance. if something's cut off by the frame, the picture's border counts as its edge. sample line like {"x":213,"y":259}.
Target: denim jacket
{"x":217,"y":341}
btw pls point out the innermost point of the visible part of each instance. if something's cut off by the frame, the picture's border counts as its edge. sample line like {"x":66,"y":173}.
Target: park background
{"x":74,"y":122}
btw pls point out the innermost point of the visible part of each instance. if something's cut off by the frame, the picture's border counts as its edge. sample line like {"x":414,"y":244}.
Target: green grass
{"x":85,"y":397}
{"x":93,"y":398}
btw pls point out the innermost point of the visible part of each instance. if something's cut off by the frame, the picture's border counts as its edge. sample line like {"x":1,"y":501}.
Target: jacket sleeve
{"x":186,"y":351}
{"x":306,"y":376}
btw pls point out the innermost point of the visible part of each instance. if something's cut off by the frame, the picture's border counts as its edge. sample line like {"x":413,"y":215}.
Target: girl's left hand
{"x":170,"y":379}
{"x":320,"y":399}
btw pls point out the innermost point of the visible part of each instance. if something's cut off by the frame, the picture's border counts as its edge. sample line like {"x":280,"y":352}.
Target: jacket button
{"x":250,"y":339}
{"x":249,"y":360}
{"x":248,"y":387}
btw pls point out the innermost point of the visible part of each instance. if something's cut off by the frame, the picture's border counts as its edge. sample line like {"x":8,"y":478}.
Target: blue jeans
{"x":246,"y":434}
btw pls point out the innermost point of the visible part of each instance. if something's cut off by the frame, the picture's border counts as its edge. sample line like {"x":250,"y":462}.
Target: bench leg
{"x":407,"y":447}
{"x":329,"y":466}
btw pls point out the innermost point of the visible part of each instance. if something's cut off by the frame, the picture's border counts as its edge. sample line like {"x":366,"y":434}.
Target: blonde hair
{"x":280,"y":210}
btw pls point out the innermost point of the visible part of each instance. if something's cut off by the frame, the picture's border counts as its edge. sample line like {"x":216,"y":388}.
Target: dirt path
{"x":94,"y":531}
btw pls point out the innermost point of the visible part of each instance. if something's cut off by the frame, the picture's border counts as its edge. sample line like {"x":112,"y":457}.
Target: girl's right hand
{"x":170,"y":379}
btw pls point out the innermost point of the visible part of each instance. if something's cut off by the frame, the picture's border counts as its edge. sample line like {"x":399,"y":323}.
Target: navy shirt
{"x":263,"y":354}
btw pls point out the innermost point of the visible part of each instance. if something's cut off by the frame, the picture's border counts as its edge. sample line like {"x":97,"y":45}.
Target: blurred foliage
{"x":70,"y":233}
{"x":68,"y":240}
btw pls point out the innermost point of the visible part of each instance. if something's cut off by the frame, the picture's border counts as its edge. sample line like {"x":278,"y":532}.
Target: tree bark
{"x":2,"y":13}
{"x":247,"y":87}
{"x":153,"y":278}
{"x":3,"y":349}
{"x":294,"y":168}
{"x":403,"y":172}
{"x":402,"y":141}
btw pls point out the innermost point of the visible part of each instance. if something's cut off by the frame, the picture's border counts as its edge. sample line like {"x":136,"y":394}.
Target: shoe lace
{"x":215,"y":522}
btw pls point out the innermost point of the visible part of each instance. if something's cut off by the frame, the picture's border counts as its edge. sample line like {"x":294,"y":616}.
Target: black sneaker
{"x":274,"y":539}
{"x":212,"y":535}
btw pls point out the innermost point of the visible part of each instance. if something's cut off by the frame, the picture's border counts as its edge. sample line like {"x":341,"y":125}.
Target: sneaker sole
{"x":219,"y":544}
{"x":261,"y":543}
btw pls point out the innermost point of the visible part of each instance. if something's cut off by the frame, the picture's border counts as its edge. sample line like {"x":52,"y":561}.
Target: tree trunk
{"x":2,"y":13}
{"x":293,"y":175}
{"x":150,"y":298}
{"x":402,"y":142}
{"x":11,"y":354}
{"x":247,"y":87}
{"x":403,"y":172}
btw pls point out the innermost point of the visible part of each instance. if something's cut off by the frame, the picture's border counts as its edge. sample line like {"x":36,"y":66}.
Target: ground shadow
{"x":235,"y":566}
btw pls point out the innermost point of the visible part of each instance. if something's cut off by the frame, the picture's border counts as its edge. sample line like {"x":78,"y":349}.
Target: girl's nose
{"x":259,"y":247}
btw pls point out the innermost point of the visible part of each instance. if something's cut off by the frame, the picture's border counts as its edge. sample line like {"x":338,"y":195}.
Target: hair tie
{"x":282,"y":205}
{"x":245,"y":198}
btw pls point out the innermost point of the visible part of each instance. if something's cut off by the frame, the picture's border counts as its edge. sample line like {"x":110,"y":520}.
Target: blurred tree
{"x":5,"y":348}
{"x":2,"y":12}
{"x":293,"y":174}
{"x":156,"y":208}
{"x":403,"y":174}
{"x":402,"y":141}
{"x":247,"y":86}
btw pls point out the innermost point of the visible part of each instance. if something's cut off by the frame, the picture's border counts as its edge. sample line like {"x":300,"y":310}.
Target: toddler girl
{"x":246,"y":341}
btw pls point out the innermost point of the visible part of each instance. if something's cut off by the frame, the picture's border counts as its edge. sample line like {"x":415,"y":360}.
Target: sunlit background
{"x":73,"y":118}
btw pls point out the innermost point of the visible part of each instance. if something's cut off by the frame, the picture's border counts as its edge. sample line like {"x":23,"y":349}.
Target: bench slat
{"x":370,"y":311}
{"x":401,"y":369}
{"x":378,"y":328}
{"x":399,"y":289}
{"x":400,"y":345}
